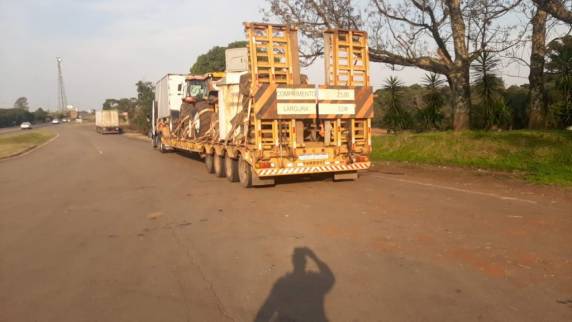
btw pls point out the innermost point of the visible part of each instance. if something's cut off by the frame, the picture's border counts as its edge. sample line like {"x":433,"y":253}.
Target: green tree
{"x":138,"y":109}
{"x":142,"y":114}
{"x":517,"y":99}
{"x":109,"y":104}
{"x":214,"y":59}
{"x":122,"y":105}
{"x":22,"y":103}
{"x":430,"y":117}
{"x":491,"y":111}
{"x":145,"y":94}
{"x":396,"y":117}
{"x":14,"y":116}
{"x":559,"y":75}
{"x":40,"y":115}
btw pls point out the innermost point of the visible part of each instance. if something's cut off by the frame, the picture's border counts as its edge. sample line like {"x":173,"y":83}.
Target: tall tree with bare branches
{"x":537,"y":110}
{"x":439,"y":36}
{"x":559,"y":9}
{"x":543,"y":26}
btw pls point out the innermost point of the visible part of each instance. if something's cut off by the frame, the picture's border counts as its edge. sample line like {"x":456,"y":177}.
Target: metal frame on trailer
{"x":346,"y":58}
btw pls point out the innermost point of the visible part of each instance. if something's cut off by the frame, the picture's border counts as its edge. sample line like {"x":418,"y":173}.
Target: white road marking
{"x":487,"y":194}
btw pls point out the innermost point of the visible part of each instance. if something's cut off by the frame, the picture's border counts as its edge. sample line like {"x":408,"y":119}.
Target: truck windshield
{"x":196,"y":88}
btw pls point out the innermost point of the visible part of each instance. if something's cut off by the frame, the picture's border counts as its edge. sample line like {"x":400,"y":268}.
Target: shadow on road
{"x":293,"y":179}
{"x":299,"y":295}
{"x":191,"y":155}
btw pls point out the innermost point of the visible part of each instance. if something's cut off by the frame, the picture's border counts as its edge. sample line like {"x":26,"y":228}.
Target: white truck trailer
{"x":169,"y":92}
{"x":107,"y":121}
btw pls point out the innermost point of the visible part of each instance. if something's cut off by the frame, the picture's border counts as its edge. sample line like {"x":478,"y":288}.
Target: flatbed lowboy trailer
{"x":267,"y":121}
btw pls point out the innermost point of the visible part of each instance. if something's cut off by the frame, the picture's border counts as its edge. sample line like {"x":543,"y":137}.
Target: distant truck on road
{"x":107,"y":121}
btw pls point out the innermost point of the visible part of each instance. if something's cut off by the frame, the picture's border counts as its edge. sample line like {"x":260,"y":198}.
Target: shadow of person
{"x":299,"y":295}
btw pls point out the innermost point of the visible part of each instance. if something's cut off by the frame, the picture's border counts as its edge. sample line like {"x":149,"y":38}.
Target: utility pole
{"x":62,"y":99}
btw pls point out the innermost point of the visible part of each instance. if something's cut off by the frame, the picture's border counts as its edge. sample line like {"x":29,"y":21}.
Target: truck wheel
{"x":155,"y":141}
{"x":231,"y":169}
{"x":209,"y":163}
{"x":244,"y":173}
{"x":219,"y":166}
{"x":162,"y":147}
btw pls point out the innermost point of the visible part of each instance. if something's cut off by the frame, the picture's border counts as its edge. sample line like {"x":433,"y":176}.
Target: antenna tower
{"x":62,"y":99}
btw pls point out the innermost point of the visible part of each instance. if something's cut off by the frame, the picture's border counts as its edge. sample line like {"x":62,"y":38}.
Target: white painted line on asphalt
{"x":487,"y":194}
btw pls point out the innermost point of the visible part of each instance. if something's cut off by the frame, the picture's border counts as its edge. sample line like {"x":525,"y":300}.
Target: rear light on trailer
{"x":361,"y":158}
{"x":264,"y":164}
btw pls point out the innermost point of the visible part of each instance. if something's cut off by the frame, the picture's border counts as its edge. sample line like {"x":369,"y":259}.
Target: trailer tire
{"x":209,"y":163}
{"x":162,"y":147}
{"x":231,"y":169}
{"x":219,"y":166}
{"x":155,"y":140}
{"x":244,"y":173}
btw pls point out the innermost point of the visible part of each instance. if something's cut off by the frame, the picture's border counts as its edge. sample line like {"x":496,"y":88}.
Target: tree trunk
{"x":458,"y":76}
{"x":555,"y":8}
{"x":536,"y":77}
{"x":460,"y":97}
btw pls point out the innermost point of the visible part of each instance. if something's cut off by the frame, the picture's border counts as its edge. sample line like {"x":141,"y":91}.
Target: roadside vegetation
{"x":426,"y":106}
{"x":420,"y":121}
{"x":21,"y":113}
{"x":138,"y":108}
{"x":213,"y":60}
{"x":15,"y":143}
{"x":541,"y":156}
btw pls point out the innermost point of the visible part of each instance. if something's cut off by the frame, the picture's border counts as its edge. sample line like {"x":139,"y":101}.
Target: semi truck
{"x":261,"y":118}
{"x":107,"y":121}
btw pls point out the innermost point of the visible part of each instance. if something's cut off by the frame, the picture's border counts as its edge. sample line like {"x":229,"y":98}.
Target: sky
{"x":109,"y":45}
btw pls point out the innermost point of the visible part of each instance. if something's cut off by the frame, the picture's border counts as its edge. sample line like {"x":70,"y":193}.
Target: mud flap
{"x":262,"y":181}
{"x":343,"y":176}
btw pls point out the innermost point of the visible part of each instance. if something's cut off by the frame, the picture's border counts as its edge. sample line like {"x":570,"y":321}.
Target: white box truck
{"x":169,"y":92}
{"x":107,"y":121}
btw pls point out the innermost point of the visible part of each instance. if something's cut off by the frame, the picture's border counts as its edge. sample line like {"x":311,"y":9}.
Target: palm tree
{"x":489,"y":88}
{"x":396,"y":117}
{"x":430,"y":116}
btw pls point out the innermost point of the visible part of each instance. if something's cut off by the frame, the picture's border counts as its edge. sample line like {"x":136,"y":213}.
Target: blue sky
{"x":108,"y":45}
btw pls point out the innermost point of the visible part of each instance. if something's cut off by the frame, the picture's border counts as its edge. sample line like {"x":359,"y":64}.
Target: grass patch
{"x":542,"y":156}
{"x":16,"y":143}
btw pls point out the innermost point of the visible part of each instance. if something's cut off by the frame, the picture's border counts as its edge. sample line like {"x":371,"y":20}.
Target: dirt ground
{"x":104,"y":228}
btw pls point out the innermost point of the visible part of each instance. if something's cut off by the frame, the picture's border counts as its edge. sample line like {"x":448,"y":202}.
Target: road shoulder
{"x":17,"y":145}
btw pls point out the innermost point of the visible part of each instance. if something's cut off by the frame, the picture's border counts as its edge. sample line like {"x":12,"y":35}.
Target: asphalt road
{"x":104,"y":228}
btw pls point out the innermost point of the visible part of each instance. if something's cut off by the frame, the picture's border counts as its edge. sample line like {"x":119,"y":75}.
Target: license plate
{"x":313,"y":156}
